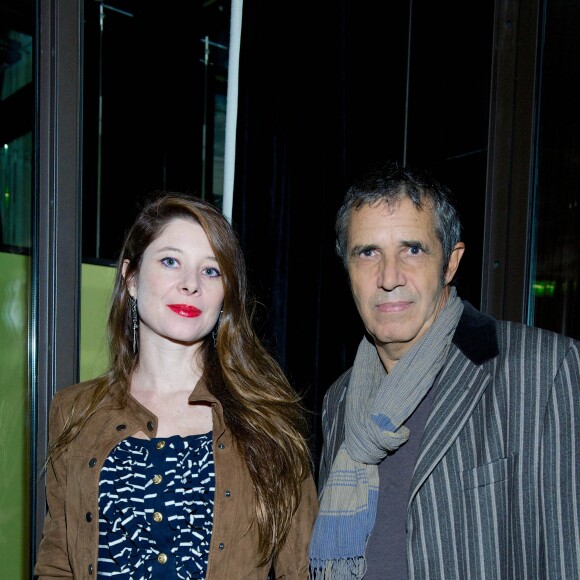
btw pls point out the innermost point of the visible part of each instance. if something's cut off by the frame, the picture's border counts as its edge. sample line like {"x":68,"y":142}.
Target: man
{"x":451,"y":447}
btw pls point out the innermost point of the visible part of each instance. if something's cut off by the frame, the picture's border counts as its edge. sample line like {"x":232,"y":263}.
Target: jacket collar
{"x":199,"y":394}
{"x":475,"y":335}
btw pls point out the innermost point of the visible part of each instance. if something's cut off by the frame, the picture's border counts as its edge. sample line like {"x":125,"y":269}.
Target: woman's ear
{"x":130,"y":281}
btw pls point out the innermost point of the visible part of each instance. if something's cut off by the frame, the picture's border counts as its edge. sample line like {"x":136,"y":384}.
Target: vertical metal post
{"x":510,"y":168}
{"x":57,"y":231}
{"x":232,"y":107}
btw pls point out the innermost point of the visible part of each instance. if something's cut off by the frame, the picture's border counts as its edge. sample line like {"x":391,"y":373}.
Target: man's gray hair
{"x":390,"y":184}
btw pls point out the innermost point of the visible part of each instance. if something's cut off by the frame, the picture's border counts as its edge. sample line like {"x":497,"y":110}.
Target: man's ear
{"x":454,"y":259}
{"x":129,"y":282}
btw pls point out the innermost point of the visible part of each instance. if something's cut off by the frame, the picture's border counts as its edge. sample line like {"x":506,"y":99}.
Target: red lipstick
{"x":185,"y":310}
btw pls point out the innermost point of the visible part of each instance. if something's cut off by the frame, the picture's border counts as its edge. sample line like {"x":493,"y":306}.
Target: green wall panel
{"x":14,"y":412}
{"x":96,"y":288}
{"x":97,"y":283}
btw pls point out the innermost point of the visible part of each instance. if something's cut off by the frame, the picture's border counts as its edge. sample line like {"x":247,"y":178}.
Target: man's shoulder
{"x":337,"y":390}
{"x":342,"y":381}
{"x":482,"y":338}
{"x":519,"y":337}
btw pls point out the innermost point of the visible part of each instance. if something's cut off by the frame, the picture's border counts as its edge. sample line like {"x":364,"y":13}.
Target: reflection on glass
{"x":155,"y":87}
{"x":16,"y":153}
{"x":555,"y":285}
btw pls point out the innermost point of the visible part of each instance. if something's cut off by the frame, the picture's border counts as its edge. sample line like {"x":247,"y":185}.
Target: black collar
{"x":475,"y":335}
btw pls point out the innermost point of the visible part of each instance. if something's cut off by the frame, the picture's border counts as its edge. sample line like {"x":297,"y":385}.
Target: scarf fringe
{"x":338,"y":569}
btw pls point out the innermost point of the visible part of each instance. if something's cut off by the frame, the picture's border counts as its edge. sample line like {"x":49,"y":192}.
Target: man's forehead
{"x":395,"y":214}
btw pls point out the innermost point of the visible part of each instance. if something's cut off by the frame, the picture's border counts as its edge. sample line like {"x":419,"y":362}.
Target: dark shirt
{"x":386,"y":548}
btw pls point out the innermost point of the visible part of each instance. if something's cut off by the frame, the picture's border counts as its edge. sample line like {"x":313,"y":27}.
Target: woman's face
{"x":179,"y":288}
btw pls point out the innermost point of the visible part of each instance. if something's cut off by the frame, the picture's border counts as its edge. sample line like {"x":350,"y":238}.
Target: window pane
{"x":16,"y":114}
{"x":556,"y":265}
{"x":154,"y":109}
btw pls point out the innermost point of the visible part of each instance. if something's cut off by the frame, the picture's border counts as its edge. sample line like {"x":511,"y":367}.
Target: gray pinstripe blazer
{"x":496,"y":488}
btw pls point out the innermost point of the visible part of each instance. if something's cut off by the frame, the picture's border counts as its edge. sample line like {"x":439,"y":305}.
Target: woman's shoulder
{"x":73,"y":393}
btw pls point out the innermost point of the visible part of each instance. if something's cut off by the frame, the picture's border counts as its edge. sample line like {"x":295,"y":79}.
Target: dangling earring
{"x":135,"y":321}
{"x":214,"y":332}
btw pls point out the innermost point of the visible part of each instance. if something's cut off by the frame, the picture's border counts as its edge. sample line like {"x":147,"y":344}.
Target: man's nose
{"x":391,"y":274}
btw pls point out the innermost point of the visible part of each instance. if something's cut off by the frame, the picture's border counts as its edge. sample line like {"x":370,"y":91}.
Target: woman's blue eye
{"x":212,"y":272}
{"x":169,"y":262}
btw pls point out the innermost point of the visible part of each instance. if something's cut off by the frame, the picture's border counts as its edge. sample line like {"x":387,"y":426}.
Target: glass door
{"x":555,"y":281}
{"x":155,"y":87}
{"x":16,"y":194}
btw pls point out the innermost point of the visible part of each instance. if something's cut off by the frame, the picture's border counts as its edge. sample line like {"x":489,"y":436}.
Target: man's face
{"x":395,"y":263}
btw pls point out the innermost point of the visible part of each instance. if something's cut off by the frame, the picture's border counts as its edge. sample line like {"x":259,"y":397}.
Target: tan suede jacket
{"x":69,"y":547}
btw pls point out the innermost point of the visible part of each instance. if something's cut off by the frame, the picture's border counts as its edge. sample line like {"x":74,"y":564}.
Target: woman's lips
{"x":185,"y":310}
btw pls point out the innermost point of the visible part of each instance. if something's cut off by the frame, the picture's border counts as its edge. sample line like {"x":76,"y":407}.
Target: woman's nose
{"x":190,"y":284}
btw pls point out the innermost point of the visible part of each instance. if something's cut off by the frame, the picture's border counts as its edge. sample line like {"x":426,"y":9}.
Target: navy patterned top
{"x":156,"y":500}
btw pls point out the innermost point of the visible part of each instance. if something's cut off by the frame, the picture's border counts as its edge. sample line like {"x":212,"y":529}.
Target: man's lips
{"x":185,"y":310}
{"x":393,"y":307}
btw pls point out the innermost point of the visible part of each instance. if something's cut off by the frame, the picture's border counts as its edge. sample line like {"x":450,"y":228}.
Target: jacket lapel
{"x":459,"y":388}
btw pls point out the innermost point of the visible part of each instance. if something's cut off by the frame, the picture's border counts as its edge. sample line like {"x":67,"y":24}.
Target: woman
{"x":187,"y":459}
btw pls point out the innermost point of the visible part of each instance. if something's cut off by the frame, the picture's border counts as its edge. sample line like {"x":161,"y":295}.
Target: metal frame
{"x":55,"y":312}
{"x":511,"y":155}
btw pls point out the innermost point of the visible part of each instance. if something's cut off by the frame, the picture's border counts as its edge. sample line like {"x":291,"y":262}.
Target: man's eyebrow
{"x":416,"y":243}
{"x":355,"y":250}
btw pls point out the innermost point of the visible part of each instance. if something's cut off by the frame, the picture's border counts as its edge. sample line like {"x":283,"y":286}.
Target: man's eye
{"x":415,"y":250}
{"x":367,"y":253}
{"x":170,"y":262}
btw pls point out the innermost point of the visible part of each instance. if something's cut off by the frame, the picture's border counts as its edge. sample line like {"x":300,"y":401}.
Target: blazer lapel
{"x":460,"y":386}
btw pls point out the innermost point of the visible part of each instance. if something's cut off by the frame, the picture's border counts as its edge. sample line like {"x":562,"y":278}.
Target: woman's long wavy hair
{"x":260,"y":407}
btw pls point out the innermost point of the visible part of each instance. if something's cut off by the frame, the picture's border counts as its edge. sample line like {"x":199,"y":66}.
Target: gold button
{"x":160,"y":444}
{"x":162,"y":559}
{"x":158,"y":517}
{"x":157,"y":479}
